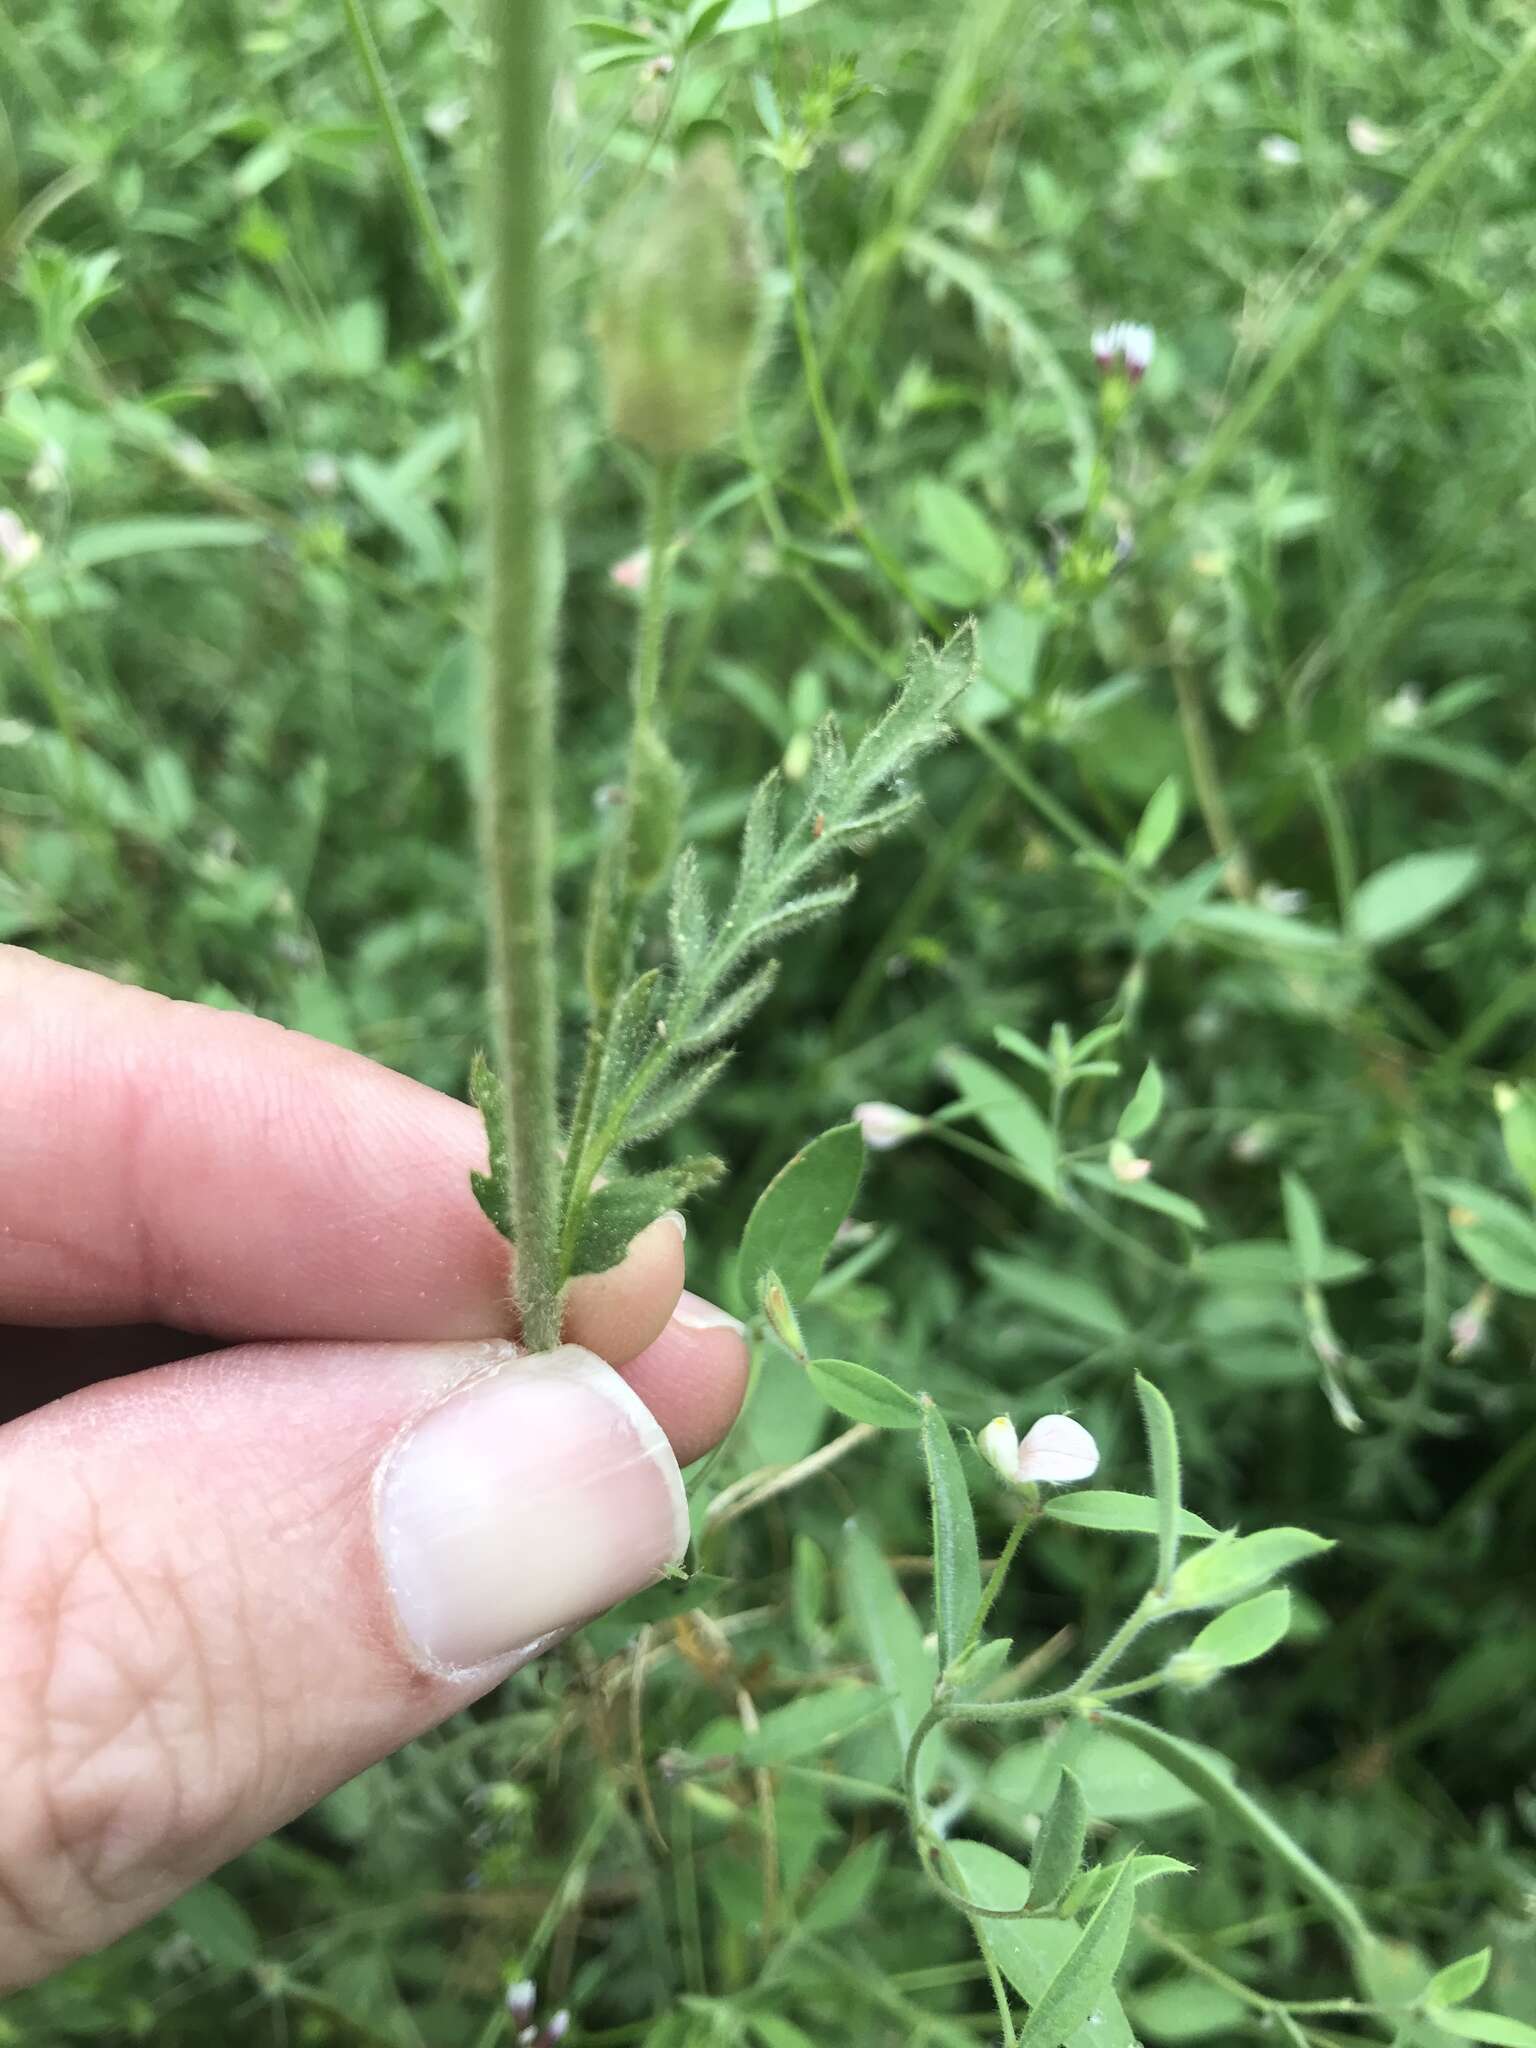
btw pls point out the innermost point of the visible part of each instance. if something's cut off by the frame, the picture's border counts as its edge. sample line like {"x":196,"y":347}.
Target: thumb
{"x":228,"y":1585}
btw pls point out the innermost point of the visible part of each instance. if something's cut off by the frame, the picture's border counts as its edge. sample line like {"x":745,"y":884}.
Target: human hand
{"x":232,"y":1580}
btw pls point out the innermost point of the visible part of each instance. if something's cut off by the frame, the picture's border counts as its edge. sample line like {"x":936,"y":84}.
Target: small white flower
{"x":446,"y":118}
{"x":47,"y":471}
{"x":885,"y":1125}
{"x":1403,"y":707}
{"x":522,"y":1997}
{"x":857,"y":157}
{"x":1281,"y":151}
{"x":1128,"y":345}
{"x":323,"y":475}
{"x":1365,"y":138}
{"x":1253,"y":1144}
{"x":190,"y":456}
{"x":1469,"y":1325}
{"x":657,"y":67}
{"x":1125,"y":1166}
{"x":1282,"y":902}
{"x":998,"y":1444}
{"x":1057,"y":1452}
{"x":633,"y":572}
{"x":19,"y":546}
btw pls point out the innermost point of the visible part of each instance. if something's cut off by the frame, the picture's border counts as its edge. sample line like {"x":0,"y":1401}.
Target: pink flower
{"x":633,"y":572}
{"x":1128,"y":345}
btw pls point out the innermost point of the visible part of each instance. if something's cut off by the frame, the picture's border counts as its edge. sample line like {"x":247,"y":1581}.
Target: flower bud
{"x":522,"y":1997}
{"x":677,"y":313}
{"x":1057,"y":1452}
{"x":1125,"y":1166}
{"x":885,"y":1125}
{"x":998,"y":1444}
{"x":779,"y":1314}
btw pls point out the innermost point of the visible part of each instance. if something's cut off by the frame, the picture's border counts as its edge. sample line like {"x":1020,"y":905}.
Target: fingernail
{"x":529,"y":1501}
{"x":694,"y":1313}
{"x":676,"y":1216}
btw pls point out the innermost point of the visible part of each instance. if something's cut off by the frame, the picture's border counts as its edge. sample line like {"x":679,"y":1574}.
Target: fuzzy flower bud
{"x":677,"y":313}
{"x":1125,"y":1166}
{"x":885,"y":1125}
{"x":998,"y":1444}
{"x":522,"y":1998}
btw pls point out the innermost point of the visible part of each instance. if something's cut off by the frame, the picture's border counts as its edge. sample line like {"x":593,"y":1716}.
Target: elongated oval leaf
{"x":1244,"y":1632}
{"x":809,"y":1724}
{"x":1133,"y":1514}
{"x":890,"y":1632}
{"x":1008,"y":1115}
{"x":1163,"y":1454}
{"x":796,"y":1217}
{"x":1497,"y":1236}
{"x":1407,"y":893}
{"x":1469,"y":2025}
{"x":1458,"y":1980}
{"x":863,"y":1395}
{"x":956,"y":1558}
{"x":1059,"y":1845}
{"x":1070,"y":1998}
{"x":1229,"y":1570}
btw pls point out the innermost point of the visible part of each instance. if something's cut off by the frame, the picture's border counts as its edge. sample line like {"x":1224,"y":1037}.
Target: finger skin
{"x":193,"y":1662}
{"x":174,"y":1164}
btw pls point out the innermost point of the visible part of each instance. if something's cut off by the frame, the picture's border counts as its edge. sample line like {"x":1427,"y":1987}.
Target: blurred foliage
{"x":1250,"y":772}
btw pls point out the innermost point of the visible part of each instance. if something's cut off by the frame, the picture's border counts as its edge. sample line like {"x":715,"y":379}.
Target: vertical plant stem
{"x":520,"y":681}
{"x":615,"y":898}
{"x":1206,"y":778}
{"x":413,"y":186}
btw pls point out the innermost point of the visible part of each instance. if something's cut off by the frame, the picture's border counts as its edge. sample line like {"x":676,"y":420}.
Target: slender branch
{"x":408,"y":175}
{"x":519,"y":808}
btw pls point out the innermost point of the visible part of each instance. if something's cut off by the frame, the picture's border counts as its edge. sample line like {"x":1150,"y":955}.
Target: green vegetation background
{"x":237,"y":763}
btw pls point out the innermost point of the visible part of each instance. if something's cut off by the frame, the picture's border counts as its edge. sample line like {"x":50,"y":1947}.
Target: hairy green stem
{"x":994,"y":1585}
{"x":519,"y":805}
{"x":408,"y":175}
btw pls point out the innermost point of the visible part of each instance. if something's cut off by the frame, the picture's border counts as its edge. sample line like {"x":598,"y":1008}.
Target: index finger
{"x":164,"y":1162}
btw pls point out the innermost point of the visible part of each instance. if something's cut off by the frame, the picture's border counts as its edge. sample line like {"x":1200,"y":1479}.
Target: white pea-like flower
{"x":1125,"y":1166}
{"x":18,"y":545}
{"x":1127,"y":345}
{"x":522,"y":1998}
{"x":1281,"y":151}
{"x":632,"y":572}
{"x":998,"y":1444}
{"x":1057,"y":1452}
{"x":886,"y":1125}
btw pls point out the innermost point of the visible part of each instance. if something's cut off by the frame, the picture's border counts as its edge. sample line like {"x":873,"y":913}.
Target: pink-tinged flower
{"x":633,"y":572}
{"x":657,"y":67}
{"x":522,"y":1998}
{"x":1469,"y":1325}
{"x":1128,"y":345}
{"x":1056,"y":1452}
{"x":885,"y":1126}
{"x":18,"y":545}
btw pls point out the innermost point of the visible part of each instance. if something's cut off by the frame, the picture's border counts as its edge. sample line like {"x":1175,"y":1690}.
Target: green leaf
{"x":1249,"y":1630}
{"x":117,"y":540}
{"x":1144,"y":1107}
{"x":493,"y":1190}
{"x":965,"y":537}
{"x":863,"y":1395}
{"x":1497,"y":1237}
{"x":1304,"y":1227}
{"x":1059,"y":1845}
{"x":1407,"y":893}
{"x":811,"y":1723}
{"x":1024,"y":1049}
{"x":1008,"y":1115}
{"x":1088,"y":1972}
{"x":1517,"y":1120}
{"x":956,"y":1556}
{"x":1065,"y":1297}
{"x":760,"y":13}
{"x":1188,"y":2009}
{"x":620,"y":1209}
{"x":1232,"y":1567}
{"x":1163,"y":1452}
{"x":1467,"y":2024}
{"x":1092,"y":1886}
{"x":1119,"y":1782}
{"x":1266,"y":930}
{"x":773,"y":2031}
{"x":220,"y":1926}
{"x":1159,"y":823}
{"x":798,"y":1214}
{"x":1143,"y":1194}
{"x":1135,"y":1514}
{"x":1263,"y":1263}
{"x":890,"y":1633}
{"x":1458,"y":1980}
{"x":848,"y":1890}
{"x":1028,"y":1952}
